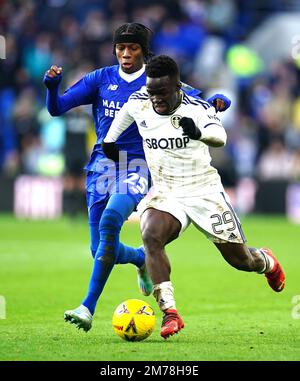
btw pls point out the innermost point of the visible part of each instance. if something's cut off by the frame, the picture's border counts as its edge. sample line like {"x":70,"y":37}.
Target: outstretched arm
{"x":219,"y":101}
{"x":79,"y":94}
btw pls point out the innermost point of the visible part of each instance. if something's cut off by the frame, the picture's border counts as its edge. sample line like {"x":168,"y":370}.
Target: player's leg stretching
{"x":261,"y":261}
{"x":109,"y":252}
{"x":158,"y":229}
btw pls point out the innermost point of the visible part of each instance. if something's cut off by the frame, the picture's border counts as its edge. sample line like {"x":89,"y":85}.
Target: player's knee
{"x":111,"y":220}
{"x":152,"y":240}
{"x":107,"y":259}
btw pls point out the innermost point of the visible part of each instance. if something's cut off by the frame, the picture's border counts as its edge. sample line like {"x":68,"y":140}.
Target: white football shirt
{"x":178,"y":164}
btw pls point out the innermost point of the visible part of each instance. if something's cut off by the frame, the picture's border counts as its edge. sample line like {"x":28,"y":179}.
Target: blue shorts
{"x":100,"y":186}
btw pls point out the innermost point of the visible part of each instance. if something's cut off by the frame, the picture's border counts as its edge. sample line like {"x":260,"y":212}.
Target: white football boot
{"x":81,"y":317}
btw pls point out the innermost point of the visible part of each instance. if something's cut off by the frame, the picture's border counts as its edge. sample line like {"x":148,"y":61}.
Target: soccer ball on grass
{"x":133,"y":320}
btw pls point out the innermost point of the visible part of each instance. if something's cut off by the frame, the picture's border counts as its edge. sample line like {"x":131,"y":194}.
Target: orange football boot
{"x":276,"y":277}
{"x":172,"y":323}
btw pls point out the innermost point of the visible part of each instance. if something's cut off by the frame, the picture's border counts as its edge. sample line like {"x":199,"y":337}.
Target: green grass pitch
{"x":228,"y":314}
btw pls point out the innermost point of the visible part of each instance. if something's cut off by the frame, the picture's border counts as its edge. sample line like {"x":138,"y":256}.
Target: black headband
{"x":132,"y":38}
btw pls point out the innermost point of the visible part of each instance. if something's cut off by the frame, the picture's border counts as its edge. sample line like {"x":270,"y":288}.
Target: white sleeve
{"x":212,"y":132}
{"x":121,"y":122}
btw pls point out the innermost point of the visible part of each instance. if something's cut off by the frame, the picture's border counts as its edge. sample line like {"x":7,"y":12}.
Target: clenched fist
{"x":220,"y":102}
{"x":53,"y":76}
{"x":54,"y":71}
{"x":189,"y":128}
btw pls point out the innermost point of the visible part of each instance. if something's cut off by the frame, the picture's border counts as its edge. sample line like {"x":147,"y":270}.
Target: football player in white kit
{"x":177,"y":131}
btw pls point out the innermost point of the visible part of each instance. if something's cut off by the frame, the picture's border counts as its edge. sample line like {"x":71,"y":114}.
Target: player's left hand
{"x":189,"y":128}
{"x":220,"y":102}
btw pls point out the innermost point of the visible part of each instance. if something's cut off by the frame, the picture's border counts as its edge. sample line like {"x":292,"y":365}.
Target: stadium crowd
{"x":208,"y":39}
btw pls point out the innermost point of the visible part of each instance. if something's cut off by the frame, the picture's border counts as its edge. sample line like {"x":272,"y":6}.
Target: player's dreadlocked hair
{"x":134,"y":32}
{"x":160,"y":66}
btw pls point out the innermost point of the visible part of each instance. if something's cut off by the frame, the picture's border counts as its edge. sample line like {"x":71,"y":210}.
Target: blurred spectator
{"x":220,"y":16}
{"x":275,"y":163}
{"x":244,"y":146}
{"x":153,"y":17}
{"x":209,"y":62}
{"x":9,"y":158}
{"x":52,"y":141}
{"x":180,"y":40}
{"x":194,"y":9}
{"x":76,"y":155}
{"x":276,"y":113}
{"x":8,"y":85}
{"x":27,"y":129}
{"x":77,"y":123}
{"x":225,"y":166}
{"x":38,"y":56}
{"x":295,"y":165}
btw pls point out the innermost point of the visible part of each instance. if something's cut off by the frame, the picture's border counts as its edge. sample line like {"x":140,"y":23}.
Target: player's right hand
{"x":54,"y":71}
{"x":189,"y":128}
{"x":53,"y":76}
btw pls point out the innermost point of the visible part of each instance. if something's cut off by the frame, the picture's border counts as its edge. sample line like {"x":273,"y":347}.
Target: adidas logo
{"x":232,"y":236}
{"x":112,"y":87}
{"x":161,"y":302}
{"x":143,"y":124}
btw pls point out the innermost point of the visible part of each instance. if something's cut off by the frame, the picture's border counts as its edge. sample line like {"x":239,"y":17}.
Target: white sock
{"x":164,"y":295}
{"x":269,"y":262}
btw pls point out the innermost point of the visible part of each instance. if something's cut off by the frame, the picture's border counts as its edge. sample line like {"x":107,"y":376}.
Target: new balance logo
{"x":232,"y":236}
{"x":112,"y":87}
{"x":143,"y":124}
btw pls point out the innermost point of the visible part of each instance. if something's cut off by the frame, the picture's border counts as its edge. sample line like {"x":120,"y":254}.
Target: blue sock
{"x":118,"y":209}
{"x":128,"y":254}
{"x":125,"y":205}
{"x":105,"y":258}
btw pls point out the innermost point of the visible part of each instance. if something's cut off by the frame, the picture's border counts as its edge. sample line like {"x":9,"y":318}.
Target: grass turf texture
{"x":228,"y":314}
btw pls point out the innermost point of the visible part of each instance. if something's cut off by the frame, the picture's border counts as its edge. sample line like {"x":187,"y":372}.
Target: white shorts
{"x":212,"y":214}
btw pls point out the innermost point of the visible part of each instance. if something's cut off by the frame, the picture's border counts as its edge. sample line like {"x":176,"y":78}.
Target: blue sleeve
{"x":82,"y":93}
{"x":189,"y":90}
{"x":212,"y":100}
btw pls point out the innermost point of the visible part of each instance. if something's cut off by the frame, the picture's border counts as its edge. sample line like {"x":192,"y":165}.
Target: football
{"x":133,"y":320}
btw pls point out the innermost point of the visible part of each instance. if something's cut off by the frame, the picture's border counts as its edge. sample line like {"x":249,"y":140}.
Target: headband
{"x":133,"y":38}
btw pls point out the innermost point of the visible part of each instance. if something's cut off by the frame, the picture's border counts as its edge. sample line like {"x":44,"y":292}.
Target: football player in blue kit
{"x":113,"y":190}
